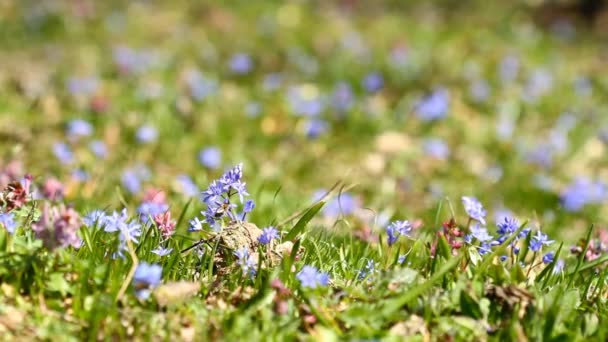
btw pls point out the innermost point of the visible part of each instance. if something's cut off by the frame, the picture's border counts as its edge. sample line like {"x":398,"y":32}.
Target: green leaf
{"x":469,"y":306}
{"x":299,"y":227}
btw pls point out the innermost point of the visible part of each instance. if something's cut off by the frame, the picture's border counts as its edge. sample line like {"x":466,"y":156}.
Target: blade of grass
{"x":299,"y":227}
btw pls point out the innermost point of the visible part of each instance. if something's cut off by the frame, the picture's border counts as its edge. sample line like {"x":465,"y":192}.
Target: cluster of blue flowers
{"x":506,"y":227}
{"x":220,"y":203}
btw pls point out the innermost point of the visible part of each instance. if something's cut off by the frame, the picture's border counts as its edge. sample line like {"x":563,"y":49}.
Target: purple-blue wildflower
{"x":480,"y":233}
{"x":247,"y":262}
{"x":539,"y":240}
{"x":195,"y":225}
{"x":162,"y":251}
{"x":63,"y":152}
{"x":315,"y":127}
{"x":342,"y":98}
{"x":373,"y":82}
{"x":146,"y":134}
{"x":79,"y":128}
{"x":241,"y":63}
{"x":93,"y":218}
{"x":548,"y":258}
{"x":507,"y":226}
{"x":187,"y":186}
{"x":146,"y":277}
{"x":268,"y":234}
{"x":344,"y":204}
{"x":99,"y":148}
{"x":435,"y":106}
{"x":582,"y":192}
{"x":311,"y":277}
{"x":210,"y":157}
{"x":474,"y":209}
{"x":436,"y":148}
{"x":7,"y":220}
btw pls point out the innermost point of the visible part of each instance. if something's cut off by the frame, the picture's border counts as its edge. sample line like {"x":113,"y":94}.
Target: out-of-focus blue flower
{"x":373,"y":82}
{"x":479,"y":90}
{"x":310,"y":277}
{"x":582,"y":192}
{"x":131,"y":181}
{"x":541,"y":155}
{"x":509,"y":68}
{"x":559,"y":266}
{"x":344,"y":204}
{"x":315,"y":127}
{"x":149,"y":209}
{"x":116,"y":221}
{"x":539,"y":84}
{"x":131,"y":61}
{"x":342,"y":99}
{"x":146,"y":134}
{"x":146,"y":277}
{"x":368,"y":270}
{"x":474,"y":209}
{"x":95,"y":217}
{"x":548,"y":258}
{"x":480,"y":233}
{"x":80,"y":175}
{"x":63,"y":152}
{"x":162,"y":251}
{"x":305,"y":100}
{"x":248,"y":207}
{"x":200,"y":87}
{"x":435,"y":106}
{"x":241,"y":63}
{"x":247,"y":262}
{"x":84,"y":86}
{"x":187,"y":185}
{"x":7,"y":220}
{"x":268,"y":234}
{"x":99,"y":148}
{"x":79,"y":128}
{"x":210,"y":157}
{"x":436,"y":148}
{"x":539,"y":240}
{"x":272,"y":81}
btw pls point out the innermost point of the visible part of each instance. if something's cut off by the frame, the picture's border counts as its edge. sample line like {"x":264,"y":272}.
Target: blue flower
{"x":342,"y":98}
{"x":241,"y":63}
{"x":435,"y":106}
{"x":548,"y":258}
{"x":480,"y":233}
{"x":195,"y":225}
{"x":508,"y":226}
{"x":474,"y":209}
{"x":187,"y":185}
{"x":200,"y":86}
{"x":344,"y":204}
{"x":436,"y":148}
{"x":315,"y":127}
{"x":373,"y":82}
{"x":82,"y":86}
{"x":161,"y":251}
{"x":370,"y":268}
{"x":559,"y":266}
{"x":131,"y":181}
{"x":305,"y":100}
{"x":582,"y":192}
{"x":249,"y":206}
{"x":146,"y":277}
{"x":310,"y":277}
{"x":210,"y":157}
{"x":95,"y":217}
{"x":268,"y":234}
{"x":485,"y":248}
{"x":99,"y":148}
{"x":63,"y":152}
{"x":7,"y":220}
{"x":539,"y":240}
{"x":147,"y":134}
{"x":79,"y":128}
{"x":116,"y":221}
{"x":247,"y":262}
{"x":148,"y":210}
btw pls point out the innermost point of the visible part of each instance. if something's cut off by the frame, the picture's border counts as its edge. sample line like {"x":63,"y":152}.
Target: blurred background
{"x":403,"y":102}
